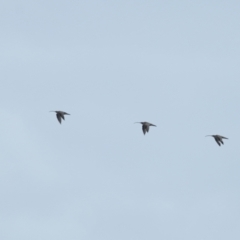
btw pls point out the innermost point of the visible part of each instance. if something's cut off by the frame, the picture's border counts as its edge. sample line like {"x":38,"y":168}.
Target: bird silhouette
{"x":145,"y":126}
{"x":218,"y":139}
{"x":60,"y":115}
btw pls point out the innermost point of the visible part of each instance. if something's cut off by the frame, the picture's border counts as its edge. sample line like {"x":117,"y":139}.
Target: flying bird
{"x":60,"y":115}
{"x":218,"y":139}
{"x":145,"y":126}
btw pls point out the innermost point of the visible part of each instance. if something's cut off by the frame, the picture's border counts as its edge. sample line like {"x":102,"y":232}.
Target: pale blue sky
{"x":110,"y":64}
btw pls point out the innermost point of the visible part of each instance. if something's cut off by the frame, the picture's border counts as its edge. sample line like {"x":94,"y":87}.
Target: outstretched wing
{"x":147,"y":128}
{"x":59,"y":117}
{"x":144,"y":128}
{"x":223,"y":137}
{"x":220,"y":140}
{"x":217,"y":141}
{"x":66,"y":113}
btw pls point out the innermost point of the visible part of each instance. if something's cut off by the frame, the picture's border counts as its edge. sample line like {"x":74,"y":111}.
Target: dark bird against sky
{"x":145,"y":126}
{"x":218,"y":139}
{"x":60,"y":115}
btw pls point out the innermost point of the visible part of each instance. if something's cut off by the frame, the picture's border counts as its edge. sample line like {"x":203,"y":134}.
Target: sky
{"x":109,"y":64}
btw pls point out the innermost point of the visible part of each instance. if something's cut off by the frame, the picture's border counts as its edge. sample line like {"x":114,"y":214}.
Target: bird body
{"x":145,"y":126}
{"x":218,"y":139}
{"x":60,"y":115}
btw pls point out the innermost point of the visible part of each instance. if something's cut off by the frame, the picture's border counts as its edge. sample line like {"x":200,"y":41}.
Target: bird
{"x":60,"y":115}
{"x":145,"y":126}
{"x":218,"y":139}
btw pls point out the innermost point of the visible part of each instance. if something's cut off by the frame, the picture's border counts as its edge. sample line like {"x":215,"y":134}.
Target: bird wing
{"x":144,"y":129}
{"x":59,"y":117}
{"x":217,"y":141}
{"x":223,"y":137}
{"x":147,"y":128}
